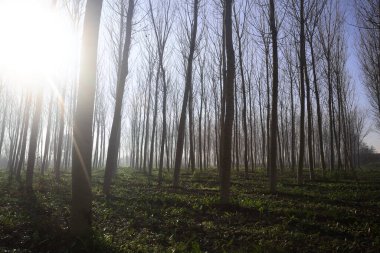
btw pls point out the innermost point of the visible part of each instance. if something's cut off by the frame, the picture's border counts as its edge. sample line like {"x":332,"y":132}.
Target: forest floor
{"x":327,"y":215}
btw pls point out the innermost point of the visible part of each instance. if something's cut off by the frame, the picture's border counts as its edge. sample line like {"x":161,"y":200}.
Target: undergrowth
{"x":332,"y":214}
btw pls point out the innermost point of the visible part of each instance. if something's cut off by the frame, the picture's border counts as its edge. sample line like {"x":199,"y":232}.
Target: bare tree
{"x":272,"y":163}
{"x":3,"y":125}
{"x":114,"y":141}
{"x":227,"y":114}
{"x":23,"y":136}
{"x":162,"y":25}
{"x":188,"y":83}
{"x":82,"y":146}
{"x":302,"y":93}
{"x":61,"y":114}
{"x":312,"y":25}
{"x":33,"y":139}
{"x":47,"y":138}
{"x":150,"y":62}
{"x":239,"y":34}
{"x":368,"y":22}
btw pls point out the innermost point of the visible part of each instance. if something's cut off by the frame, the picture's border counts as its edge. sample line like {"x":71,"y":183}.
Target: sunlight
{"x":36,"y":41}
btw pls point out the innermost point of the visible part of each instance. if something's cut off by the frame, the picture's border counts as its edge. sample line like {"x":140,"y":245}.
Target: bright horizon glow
{"x":36,"y":41}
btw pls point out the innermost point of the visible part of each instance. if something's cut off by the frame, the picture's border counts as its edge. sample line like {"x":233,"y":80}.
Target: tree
{"x":368,"y":22}
{"x":114,"y":141}
{"x":310,"y":31}
{"x":2,"y":131}
{"x":227,"y":114}
{"x":47,"y":138}
{"x":272,"y":163}
{"x":239,"y":35}
{"x":327,"y":35}
{"x":188,"y":83}
{"x":150,"y":62}
{"x":162,"y":26}
{"x":82,"y":144}
{"x":33,"y":140}
{"x":302,"y":94}
{"x":61,"y":114}
{"x":23,"y":136}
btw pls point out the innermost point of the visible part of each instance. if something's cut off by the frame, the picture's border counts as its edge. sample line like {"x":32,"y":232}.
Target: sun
{"x":36,"y":40}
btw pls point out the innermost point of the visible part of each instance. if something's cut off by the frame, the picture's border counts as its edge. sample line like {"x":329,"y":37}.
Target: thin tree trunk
{"x":188,"y":83}
{"x":147,"y":128}
{"x":24,"y":136}
{"x":3,"y":127}
{"x":57,"y":165}
{"x":164,"y":130}
{"x":201,"y":99}
{"x":114,"y":141}
{"x":244,"y":112}
{"x":47,"y":138}
{"x":319,"y":111}
{"x":154,"y":126}
{"x":302,"y":95}
{"x":191,"y":130}
{"x":33,"y":140}
{"x":309,"y":123}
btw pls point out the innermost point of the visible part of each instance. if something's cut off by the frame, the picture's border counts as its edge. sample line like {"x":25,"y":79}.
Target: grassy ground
{"x":322,"y":216}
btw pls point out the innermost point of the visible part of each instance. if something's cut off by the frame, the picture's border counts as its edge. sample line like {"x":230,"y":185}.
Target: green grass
{"x":322,"y":216}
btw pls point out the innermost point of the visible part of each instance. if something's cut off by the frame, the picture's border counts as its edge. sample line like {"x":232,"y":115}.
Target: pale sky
{"x":373,"y":138}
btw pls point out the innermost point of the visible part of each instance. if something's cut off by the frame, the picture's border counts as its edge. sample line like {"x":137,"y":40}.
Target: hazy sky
{"x":353,"y":64}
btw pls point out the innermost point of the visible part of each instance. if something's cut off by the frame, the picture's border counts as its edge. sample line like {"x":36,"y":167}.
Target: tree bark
{"x":82,"y":140}
{"x":302,"y":95}
{"x":272,"y":163}
{"x":227,"y":116}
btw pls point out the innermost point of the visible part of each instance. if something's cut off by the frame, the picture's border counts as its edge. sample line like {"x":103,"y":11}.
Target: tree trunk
{"x":147,"y":126}
{"x":244,"y":112}
{"x":293,"y":124}
{"x":154,"y":126}
{"x":164,"y":130}
{"x":302,"y":95}
{"x":319,"y":111}
{"x":227,"y":116}
{"x":82,"y":140}
{"x":3,"y":126}
{"x":47,"y":138}
{"x":188,"y":83}
{"x":201,"y":99}
{"x":24,"y":136}
{"x":309,"y":122}
{"x":272,"y":163}
{"x":191,"y":131}
{"x":33,"y":140}
{"x":114,"y":141}
{"x":57,"y":165}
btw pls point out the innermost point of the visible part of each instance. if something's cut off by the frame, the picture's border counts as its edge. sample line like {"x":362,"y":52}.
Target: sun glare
{"x":36,"y":40}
